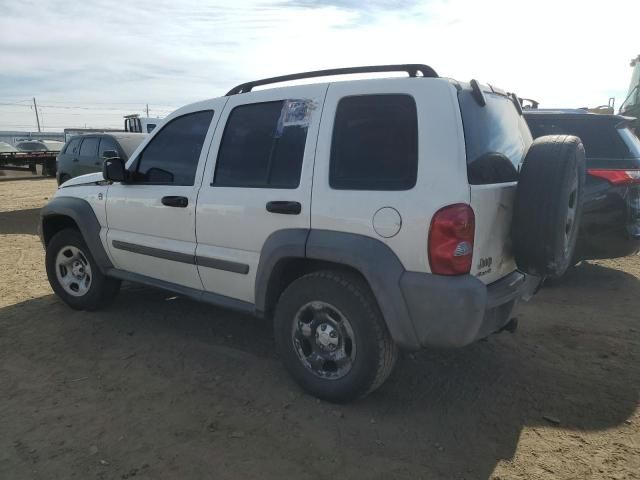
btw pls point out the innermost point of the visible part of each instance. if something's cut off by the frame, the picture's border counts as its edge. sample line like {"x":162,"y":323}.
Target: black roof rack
{"x":411,"y":68}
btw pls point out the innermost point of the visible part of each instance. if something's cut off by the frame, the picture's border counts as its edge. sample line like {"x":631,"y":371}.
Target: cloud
{"x":166,"y":53}
{"x":354,"y":4}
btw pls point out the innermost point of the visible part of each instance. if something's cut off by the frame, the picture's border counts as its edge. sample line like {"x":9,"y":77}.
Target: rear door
{"x":497,"y":139}
{"x":257,"y":181}
{"x":388,"y":157}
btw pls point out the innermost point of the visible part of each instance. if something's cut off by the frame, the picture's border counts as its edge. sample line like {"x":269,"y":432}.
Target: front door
{"x":257,"y":181}
{"x":151,"y":218}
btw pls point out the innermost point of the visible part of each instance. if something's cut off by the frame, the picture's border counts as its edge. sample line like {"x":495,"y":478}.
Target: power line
{"x":142,"y":108}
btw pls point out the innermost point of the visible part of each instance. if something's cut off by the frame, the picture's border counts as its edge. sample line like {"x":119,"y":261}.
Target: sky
{"x":89,"y":63}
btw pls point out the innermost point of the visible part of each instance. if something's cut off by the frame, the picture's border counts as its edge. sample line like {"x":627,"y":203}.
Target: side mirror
{"x":109,"y":154}
{"x":113,"y":169}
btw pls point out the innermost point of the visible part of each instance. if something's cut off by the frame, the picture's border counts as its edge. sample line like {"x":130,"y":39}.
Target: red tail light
{"x":451,"y":240}
{"x":616,"y":177}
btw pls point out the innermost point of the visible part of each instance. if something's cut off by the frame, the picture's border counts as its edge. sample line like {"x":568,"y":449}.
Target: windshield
{"x":598,"y":134}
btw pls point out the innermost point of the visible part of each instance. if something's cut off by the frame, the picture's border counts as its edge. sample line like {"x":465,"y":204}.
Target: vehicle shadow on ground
{"x":17,"y":222}
{"x":171,"y":364}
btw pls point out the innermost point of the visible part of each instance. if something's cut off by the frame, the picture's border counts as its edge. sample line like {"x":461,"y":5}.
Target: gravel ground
{"x":161,"y":387}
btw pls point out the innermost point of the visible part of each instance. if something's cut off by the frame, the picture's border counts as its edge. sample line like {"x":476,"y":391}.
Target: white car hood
{"x":88,"y":179}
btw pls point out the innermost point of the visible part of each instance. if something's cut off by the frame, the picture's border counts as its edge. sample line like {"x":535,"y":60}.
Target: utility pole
{"x":147,"y":110}
{"x":35,"y":107}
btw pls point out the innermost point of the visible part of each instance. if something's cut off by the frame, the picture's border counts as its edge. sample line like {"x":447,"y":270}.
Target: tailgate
{"x":493,"y":209}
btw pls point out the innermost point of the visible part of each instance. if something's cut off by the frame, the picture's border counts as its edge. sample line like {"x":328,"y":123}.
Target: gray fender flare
{"x":280,"y":245}
{"x":83,"y":215}
{"x":372,"y":258}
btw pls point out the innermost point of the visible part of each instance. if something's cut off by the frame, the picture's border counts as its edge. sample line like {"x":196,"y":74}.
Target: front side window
{"x":375,"y":143}
{"x":263,"y":145}
{"x":171,"y":157}
{"x":107,"y":144}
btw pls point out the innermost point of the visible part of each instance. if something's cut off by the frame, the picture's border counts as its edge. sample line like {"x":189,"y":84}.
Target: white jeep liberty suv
{"x":361,"y":216}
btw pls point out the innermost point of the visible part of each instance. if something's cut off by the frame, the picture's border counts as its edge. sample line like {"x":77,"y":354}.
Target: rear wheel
{"x":74,"y":275}
{"x":332,"y":338}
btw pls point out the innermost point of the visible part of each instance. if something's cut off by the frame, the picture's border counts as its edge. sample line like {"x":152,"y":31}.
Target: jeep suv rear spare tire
{"x":548,"y":205}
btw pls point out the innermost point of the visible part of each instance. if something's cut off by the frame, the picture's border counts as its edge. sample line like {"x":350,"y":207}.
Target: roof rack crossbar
{"x":411,"y":68}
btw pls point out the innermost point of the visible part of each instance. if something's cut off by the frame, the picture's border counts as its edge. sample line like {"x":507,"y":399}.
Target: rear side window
{"x":375,"y":143}
{"x":171,"y":157}
{"x":496,"y":137}
{"x":263,"y":145}
{"x":89,"y":147}
{"x":599,"y":136}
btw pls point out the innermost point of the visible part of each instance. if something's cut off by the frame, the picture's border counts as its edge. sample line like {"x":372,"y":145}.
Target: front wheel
{"x":74,"y":275}
{"x":331,"y":336}
{"x":63,"y":178}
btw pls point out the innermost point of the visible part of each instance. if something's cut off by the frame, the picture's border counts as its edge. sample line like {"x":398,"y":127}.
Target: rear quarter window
{"x":375,"y":143}
{"x":496,"y":137}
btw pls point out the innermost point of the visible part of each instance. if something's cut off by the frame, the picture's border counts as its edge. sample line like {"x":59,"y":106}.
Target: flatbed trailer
{"x":29,"y":162}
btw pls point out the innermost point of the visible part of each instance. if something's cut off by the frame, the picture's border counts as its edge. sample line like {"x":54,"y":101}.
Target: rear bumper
{"x":456,"y":311}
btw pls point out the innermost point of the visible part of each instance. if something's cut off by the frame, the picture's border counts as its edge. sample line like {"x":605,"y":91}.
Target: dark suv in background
{"x":611,"y":216}
{"x":85,"y":153}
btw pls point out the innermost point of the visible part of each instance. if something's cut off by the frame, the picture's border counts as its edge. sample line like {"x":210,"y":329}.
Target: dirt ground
{"x":160,"y":387}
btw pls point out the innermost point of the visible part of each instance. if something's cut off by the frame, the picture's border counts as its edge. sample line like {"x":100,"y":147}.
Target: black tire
{"x":63,"y":178}
{"x":49,"y":169}
{"x":548,"y":205}
{"x":375,"y":352}
{"x":101,"y":290}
